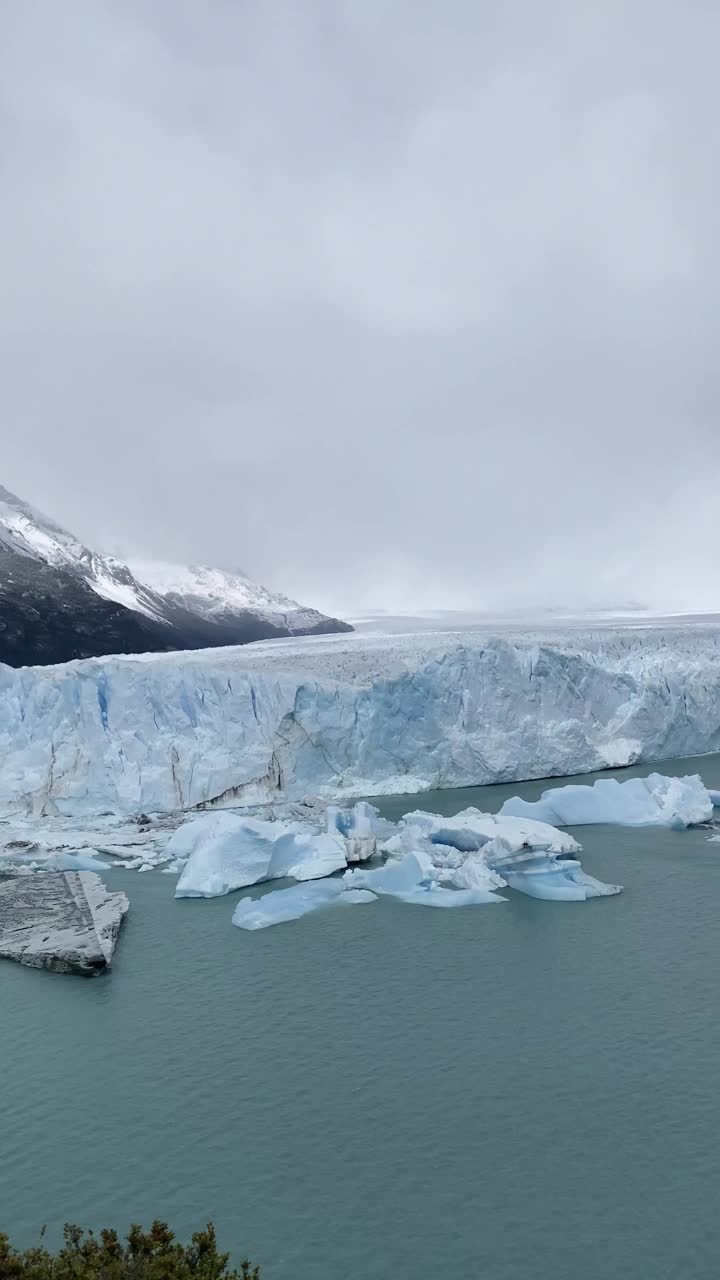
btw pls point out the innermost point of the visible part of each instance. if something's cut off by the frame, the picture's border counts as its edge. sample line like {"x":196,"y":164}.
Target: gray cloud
{"x":397,"y":304}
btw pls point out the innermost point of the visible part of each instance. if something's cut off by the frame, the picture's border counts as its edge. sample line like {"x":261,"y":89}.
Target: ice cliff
{"x":348,"y":716}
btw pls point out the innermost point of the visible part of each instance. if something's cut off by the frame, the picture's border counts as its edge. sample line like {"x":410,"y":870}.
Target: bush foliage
{"x":142,"y":1255}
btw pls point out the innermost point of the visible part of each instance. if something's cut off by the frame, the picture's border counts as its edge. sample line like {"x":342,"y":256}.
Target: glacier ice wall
{"x":344,"y":716}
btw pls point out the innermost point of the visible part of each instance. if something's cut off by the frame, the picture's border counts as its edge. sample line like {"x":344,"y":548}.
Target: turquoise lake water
{"x":520,"y":1092}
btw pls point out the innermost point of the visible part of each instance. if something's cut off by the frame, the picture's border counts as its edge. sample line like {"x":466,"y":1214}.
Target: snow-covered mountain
{"x":59,"y":599}
{"x":219,"y":596}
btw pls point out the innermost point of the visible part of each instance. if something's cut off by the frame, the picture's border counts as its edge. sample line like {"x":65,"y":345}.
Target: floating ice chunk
{"x":656,"y":801}
{"x":281,"y":905}
{"x":436,"y":896}
{"x":557,"y":880}
{"x":62,"y":861}
{"x":397,"y":875}
{"x":471,"y":829}
{"x":67,"y":922}
{"x":476,"y":872}
{"x":362,"y":820}
{"x":413,"y":879}
{"x":307,"y":855}
{"x":225,"y":851}
{"x":228,"y":851}
{"x":483,"y":852}
{"x":543,"y":873}
{"x":715,"y":797}
{"x":361,"y":826}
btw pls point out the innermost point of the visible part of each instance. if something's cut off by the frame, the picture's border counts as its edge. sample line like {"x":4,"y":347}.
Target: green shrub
{"x":143,"y":1255}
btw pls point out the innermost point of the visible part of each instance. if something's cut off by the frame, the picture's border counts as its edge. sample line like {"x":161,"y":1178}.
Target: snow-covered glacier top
{"x":350,"y":715}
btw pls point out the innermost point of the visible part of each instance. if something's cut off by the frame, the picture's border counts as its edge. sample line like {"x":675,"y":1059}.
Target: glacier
{"x":655,"y":801}
{"x":349,"y":716}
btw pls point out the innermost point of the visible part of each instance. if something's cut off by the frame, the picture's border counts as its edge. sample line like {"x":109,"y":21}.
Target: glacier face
{"x":348,"y":716}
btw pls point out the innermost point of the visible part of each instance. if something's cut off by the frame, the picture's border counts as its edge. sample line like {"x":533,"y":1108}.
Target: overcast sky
{"x":392,"y":303}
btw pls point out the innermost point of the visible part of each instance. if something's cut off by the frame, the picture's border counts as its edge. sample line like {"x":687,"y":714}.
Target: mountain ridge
{"x":61,"y":600}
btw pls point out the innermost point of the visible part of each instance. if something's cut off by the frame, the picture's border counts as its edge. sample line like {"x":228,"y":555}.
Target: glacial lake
{"x":526,"y":1091}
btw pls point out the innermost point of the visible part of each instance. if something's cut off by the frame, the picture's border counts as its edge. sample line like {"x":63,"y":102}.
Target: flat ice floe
{"x":67,"y":922}
{"x":281,"y":905}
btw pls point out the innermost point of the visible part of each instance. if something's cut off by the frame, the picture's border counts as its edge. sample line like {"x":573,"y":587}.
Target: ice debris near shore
{"x":350,"y":716}
{"x":25,"y":862}
{"x":655,"y":801}
{"x":65,"y":921}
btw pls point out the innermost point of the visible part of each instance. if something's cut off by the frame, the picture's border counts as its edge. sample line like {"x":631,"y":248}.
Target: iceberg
{"x":412,"y":879}
{"x":471,"y":829}
{"x":656,"y":801}
{"x":226,"y":851}
{"x":222,"y":852}
{"x":482,"y":852}
{"x":430,"y":861}
{"x":281,"y":905}
{"x":349,"y":716}
{"x":361,"y":826}
{"x":560,"y":880}
{"x":307,"y":855}
{"x":64,"y":921}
